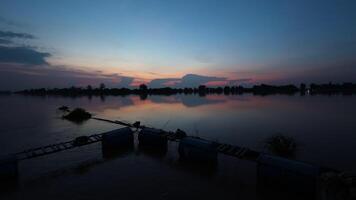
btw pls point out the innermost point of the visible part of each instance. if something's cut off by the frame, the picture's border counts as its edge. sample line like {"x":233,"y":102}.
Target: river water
{"x":323,"y":127}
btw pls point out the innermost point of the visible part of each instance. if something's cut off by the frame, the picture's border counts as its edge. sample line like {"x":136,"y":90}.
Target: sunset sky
{"x":128,"y":42}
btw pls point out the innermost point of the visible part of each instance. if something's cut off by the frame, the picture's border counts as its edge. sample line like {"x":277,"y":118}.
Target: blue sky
{"x":262,"y":41}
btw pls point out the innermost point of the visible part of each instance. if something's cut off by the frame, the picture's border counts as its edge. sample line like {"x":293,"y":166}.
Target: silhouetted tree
{"x":143,"y":87}
{"x":89,"y":87}
{"x":226,"y":90}
{"x":312,"y":86}
{"x":102,"y":86}
{"x":202,"y":90}
{"x":303,"y":87}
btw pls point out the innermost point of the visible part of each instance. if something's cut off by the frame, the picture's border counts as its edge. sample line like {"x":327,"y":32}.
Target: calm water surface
{"x":323,"y":126}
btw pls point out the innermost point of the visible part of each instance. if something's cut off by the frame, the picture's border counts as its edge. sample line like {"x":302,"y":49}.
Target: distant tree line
{"x":330,"y":88}
{"x":144,"y":91}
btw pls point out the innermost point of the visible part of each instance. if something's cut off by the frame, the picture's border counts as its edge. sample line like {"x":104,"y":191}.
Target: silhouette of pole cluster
{"x":144,"y":91}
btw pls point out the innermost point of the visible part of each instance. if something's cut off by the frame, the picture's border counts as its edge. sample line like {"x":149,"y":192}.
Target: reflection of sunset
{"x":159,"y":108}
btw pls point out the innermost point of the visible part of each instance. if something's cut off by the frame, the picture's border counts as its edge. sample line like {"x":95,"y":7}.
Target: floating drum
{"x":119,"y":138}
{"x":283,"y":178}
{"x":152,"y":137}
{"x":193,"y":148}
{"x":81,"y":140}
{"x":8,"y":169}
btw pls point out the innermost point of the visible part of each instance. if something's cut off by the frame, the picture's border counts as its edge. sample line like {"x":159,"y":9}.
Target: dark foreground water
{"x":323,"y":126}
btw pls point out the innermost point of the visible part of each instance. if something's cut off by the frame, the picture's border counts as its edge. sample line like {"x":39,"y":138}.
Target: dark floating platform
{"x":197,"y":149}
{"x":277,"y":177}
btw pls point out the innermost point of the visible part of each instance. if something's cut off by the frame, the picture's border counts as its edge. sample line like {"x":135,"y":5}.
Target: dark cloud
{"x":239,"y":81}
{"x":22,"y":55}
{"x":189,"y":80}
{"x":161,"y":82}
{"x":10,"y":34}
{"x":10,"y":52}
{"x":8,"y":22}
{"x":193,"y":80}
{"x":125,"y":81}
{"x":337,"y":73}
{"x":5,"y":41}
{"x":22,"y":76}
{"x":24,"y":67}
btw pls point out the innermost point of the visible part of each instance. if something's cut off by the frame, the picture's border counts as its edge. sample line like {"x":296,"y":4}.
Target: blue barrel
{"x":152,"y":137}
{"x":193,"y":148}
{"x":119,"y":138}
{"x":8,"y":168}
{"x":287,"y":179}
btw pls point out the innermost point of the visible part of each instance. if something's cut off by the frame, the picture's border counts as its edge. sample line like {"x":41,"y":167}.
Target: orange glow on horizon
{"x":144,"y":77}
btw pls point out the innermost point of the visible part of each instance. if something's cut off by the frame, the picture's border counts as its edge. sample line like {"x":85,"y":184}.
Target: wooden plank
{"x":243,"y":152}
{"x":44,"y":150}
{"x":63,"y":145}
{"x":227,"y":149}
{"x":222,"y":147}
{"x":237,"y":154}
{"x":233,"y":150}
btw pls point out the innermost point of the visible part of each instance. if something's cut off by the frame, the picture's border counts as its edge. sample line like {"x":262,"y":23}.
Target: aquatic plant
{"x":64,"y":108}
{"x":281,"y":145}
{"x":78,"y":115}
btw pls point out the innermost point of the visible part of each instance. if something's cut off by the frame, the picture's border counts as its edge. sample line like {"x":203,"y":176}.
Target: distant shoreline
{"x":144,"y":91}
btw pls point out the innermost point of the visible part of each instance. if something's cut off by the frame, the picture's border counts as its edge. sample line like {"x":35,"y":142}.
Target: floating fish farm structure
{"x":197,"y":149}
{"x":119,"y":138}
{"x":153,"y":138}
{"x":281,"y":173}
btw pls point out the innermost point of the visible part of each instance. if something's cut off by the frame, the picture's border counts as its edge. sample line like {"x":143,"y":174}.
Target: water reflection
{"x":245,"y":120}
{"x":112,"y":153}
{"x":187,"y":100}
{"x":154,"y":152}
{"x":323,"y":125}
